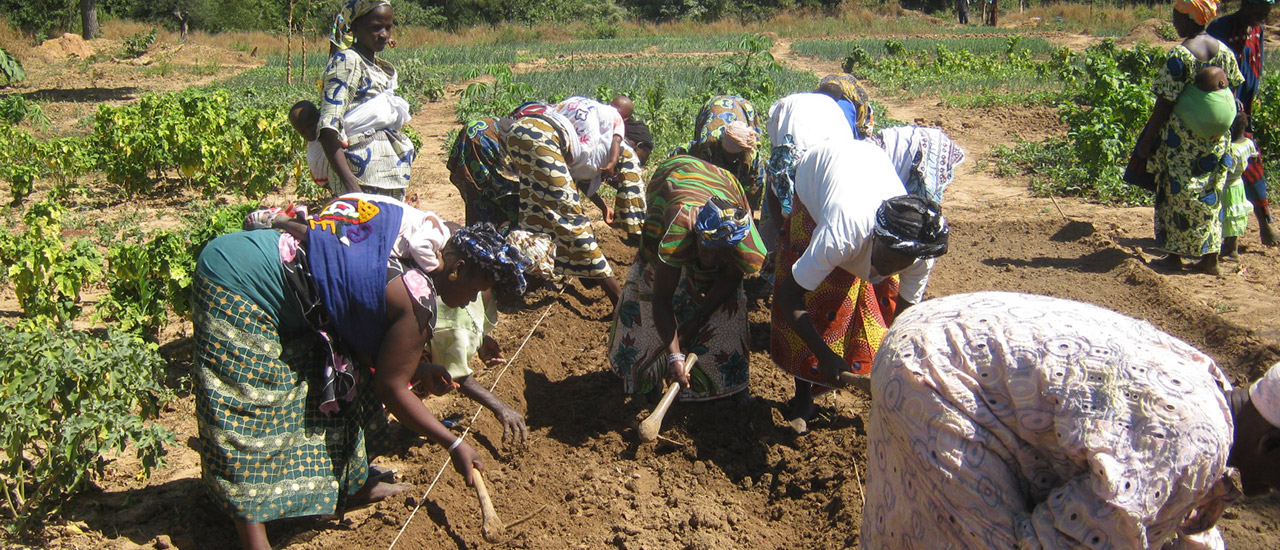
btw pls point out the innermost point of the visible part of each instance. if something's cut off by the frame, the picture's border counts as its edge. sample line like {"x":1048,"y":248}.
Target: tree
{"x":89,"y":18}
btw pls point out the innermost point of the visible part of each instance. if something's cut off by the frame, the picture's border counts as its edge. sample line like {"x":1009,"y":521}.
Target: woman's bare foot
{"x":1230,"y":249}
{"x":1172,"y":261}
{"x":376,"y":491}
{"x":799,"y":413}
{"x":1208,"y":264}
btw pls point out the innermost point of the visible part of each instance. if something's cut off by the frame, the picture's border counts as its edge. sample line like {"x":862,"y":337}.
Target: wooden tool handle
{"x":651,"y":426}
{"x":851,"y":380}
{"x":492,"y":528}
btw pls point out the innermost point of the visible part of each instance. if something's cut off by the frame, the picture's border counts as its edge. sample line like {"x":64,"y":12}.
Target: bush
{"x":196,"y":136}
{"x":69,"y":398}
{"x":47,"y":271}
{"x":149,"y":279}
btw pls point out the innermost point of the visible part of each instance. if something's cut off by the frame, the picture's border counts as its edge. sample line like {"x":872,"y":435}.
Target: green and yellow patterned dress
{"x":680,"y":187}
{"x":266,"y":450}
{"x":1189,"y":170}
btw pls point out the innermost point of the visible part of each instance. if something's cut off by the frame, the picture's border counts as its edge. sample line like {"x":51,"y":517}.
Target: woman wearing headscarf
{"x":479,"y":168}
{"x":360,"y":115}
{"x":1242,"y":31}
{"x":851,"y":230}
{"x":1188,"y":162}
{"x":725,"y":134}
{"x":796,"y":124}
{"x":1004,"y":420}
{"x":853,"y":99}
{"x":684,"y":292}
{"x":542,"y":144}
{"x":302,"y":338}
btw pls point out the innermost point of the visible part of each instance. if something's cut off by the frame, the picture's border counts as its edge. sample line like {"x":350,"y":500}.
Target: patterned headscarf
{"x":846,"y":86}
{"x":1265,"y":395}
{"x":1201,"y":11}
{"x":913,"y":226}
{"x":722,"y":224}
{"x":483,"y":246}
{"x":354,"y":9}
{"x":738,"y":137}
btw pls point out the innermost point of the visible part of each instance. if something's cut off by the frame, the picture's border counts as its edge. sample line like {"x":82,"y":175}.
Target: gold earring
{"x":453,"y":276}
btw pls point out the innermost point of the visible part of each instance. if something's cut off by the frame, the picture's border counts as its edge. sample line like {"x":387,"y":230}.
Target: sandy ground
{"x":729,"y":475}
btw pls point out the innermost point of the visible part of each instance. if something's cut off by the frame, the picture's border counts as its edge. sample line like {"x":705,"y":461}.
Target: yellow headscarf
{"x":1201,"y":11}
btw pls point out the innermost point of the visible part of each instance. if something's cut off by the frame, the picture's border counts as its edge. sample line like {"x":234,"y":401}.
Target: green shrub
{"x":69,"y":398}
{"x":149,"y":279}
{"x":47,"y":271}
{"x":137,"y":45}
{"x":10,"y":69}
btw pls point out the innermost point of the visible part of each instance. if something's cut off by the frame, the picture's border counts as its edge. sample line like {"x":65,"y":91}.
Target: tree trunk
{"x":89,"y":18}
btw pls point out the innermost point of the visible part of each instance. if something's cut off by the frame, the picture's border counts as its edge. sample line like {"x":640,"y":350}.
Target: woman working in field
{"x":541,"y":144}
{"x":725,"y":134}
{"x":850,"y":230}
{"x":1003,"y":420}
{"x":1186,"y":141}
{"x":360,"y":115}
{"x":684,"y":293}
{"x":283,"y":425}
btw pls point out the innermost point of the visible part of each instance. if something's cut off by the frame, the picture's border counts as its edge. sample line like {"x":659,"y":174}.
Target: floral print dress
{"x":1190,"y":171}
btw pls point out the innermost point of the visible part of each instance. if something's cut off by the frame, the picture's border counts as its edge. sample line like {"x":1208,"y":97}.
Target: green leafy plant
{"x":14,"y":109}
{"x":137,"y":45}
{"x":70,"y":398}
{"x":10,"y":68}
{"x":149,"y":279}
{"x":47,"y":271}
{"x":196,"y":137}
{"x":484,"y":99}
{"x":19,"y":164}
{"x":749,"y":72}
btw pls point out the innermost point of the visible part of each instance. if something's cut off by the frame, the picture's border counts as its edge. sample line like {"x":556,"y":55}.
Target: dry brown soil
{"x":731,"y":475}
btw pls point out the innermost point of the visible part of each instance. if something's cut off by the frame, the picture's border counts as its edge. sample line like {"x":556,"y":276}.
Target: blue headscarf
{"x":483,"y":246}
{"x":722,"y":224}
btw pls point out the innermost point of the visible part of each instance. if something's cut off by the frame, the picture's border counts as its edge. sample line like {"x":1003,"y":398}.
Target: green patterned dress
{"x":266,"y":450}
{"x":680,"y":187}
{"x":1190,"y":173}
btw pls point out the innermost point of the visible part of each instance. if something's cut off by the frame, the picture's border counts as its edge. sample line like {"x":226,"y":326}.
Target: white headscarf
{"x":1265,"y":394}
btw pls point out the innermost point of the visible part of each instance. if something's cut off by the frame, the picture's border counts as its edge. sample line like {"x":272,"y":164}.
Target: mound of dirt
{"x":64,"y":46}
{"x":1147,"y":31}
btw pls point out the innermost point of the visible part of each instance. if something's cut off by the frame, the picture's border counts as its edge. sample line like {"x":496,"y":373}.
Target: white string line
{"x":475,"y":416}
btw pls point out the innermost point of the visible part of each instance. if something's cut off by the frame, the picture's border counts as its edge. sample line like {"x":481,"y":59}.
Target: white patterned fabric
{"x":1003,"y":420}
{"x":1265,"y":394}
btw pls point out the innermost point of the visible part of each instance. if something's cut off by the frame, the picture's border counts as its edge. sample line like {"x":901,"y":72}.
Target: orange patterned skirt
{"x":851,"y":314}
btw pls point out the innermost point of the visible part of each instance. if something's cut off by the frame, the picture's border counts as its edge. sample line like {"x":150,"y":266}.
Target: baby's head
{"x":305,"y":117}
{"x":1240,"y":124}
{"x":1211,"y":79}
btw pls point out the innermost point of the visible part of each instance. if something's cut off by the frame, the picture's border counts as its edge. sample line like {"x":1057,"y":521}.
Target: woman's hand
{"x":678,"y":371}
{"x":830,"y":365}
{"x":432,"y":379}
{"x":513,"y":428}
{"x":491,"y":352}
{"x":464,"y":459}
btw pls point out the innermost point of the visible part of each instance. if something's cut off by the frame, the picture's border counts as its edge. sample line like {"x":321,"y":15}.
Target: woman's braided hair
{"x":482,"y":246}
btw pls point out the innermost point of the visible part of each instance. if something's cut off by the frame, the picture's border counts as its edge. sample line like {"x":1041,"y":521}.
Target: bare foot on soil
{"x":376,"y":491}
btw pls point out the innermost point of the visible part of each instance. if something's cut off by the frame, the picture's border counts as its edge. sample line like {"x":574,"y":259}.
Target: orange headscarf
{"x":1201,"y":11}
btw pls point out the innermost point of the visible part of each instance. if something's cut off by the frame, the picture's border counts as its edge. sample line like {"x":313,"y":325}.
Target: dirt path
{"x":732,"y":474}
